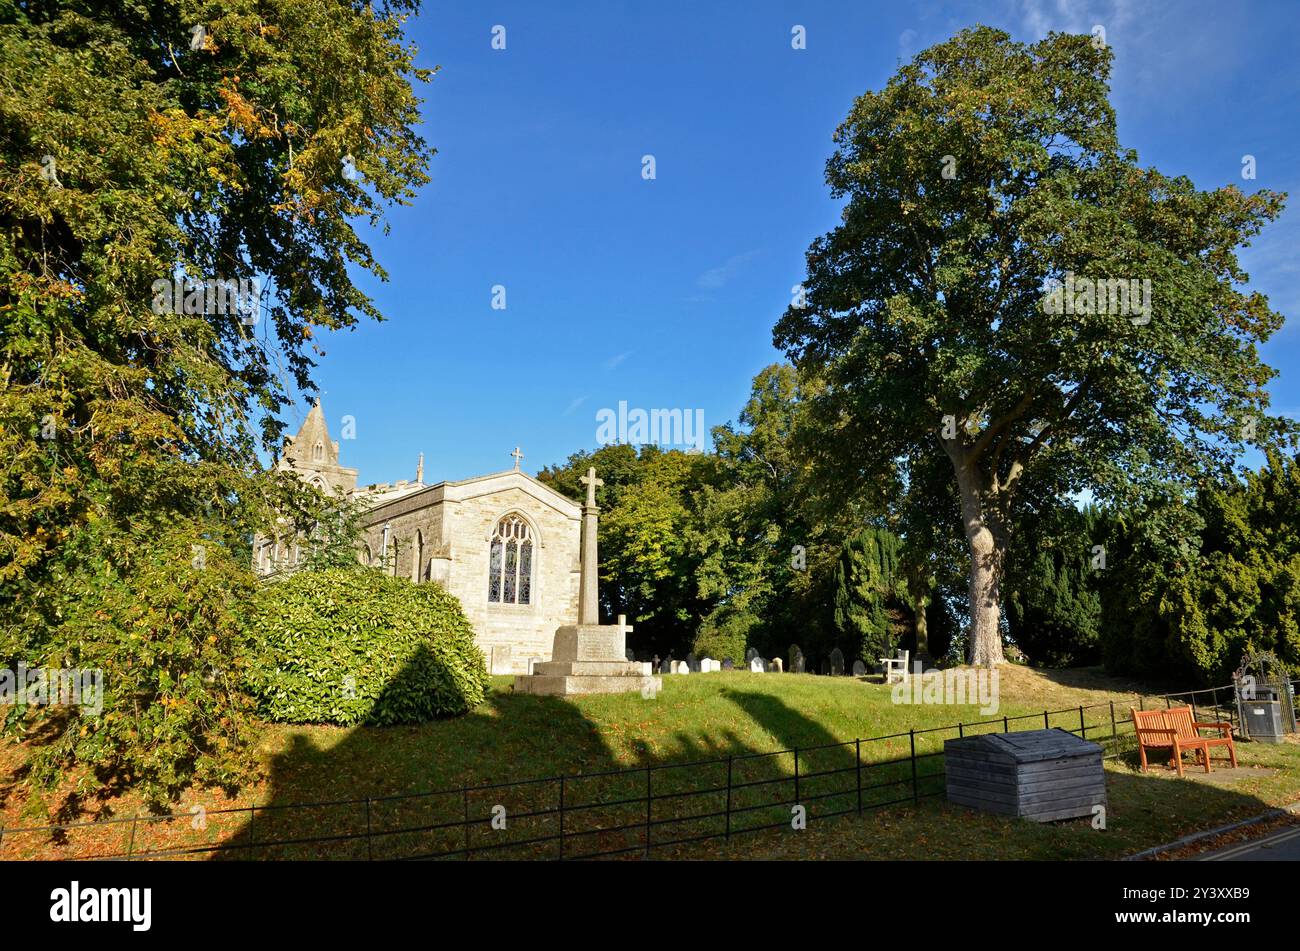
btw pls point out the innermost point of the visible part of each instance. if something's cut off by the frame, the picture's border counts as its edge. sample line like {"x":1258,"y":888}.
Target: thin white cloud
{"x":574,"y":405}
{"x":614,"y":361}
{"x":717,"y":277}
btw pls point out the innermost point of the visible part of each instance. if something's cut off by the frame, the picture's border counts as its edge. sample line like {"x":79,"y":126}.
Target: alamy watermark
{"x":954,"y":686}
{"x":53,"y":686}
{"x":1126,"y":297}
{"x":210,"y":296}
{"x":664,"y":427}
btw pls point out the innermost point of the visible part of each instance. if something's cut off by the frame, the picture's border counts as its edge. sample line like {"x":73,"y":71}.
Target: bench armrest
{"x":1219,"y":725}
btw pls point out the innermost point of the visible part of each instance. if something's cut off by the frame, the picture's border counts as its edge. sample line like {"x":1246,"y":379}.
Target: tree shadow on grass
{"x":472,"y":786}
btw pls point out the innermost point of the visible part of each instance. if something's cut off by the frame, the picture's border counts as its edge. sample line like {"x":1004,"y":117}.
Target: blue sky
{"x":663,"y":293}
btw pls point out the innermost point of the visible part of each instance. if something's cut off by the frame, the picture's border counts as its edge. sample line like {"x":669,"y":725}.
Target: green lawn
{"x":700,"y":719}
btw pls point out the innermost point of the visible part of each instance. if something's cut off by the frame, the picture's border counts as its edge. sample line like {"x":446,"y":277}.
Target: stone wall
{"x":455,"y":522}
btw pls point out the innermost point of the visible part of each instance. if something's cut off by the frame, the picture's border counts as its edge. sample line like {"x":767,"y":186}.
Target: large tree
{"x":985,"y":170}
{"x":148,"y":142}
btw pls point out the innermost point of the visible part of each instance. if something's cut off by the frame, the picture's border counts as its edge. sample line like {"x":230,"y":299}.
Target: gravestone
{"x":693,"y":662}
{"x":533,"y":662}
{"x":708,"y":665}
{"x":795,"y":660}
{"x":756,"y":666}
{"x":728,"y":664}
{"x":837,"y":662}
{"x":681,"y":667}
{"x":751,"y":654}
{"x":502,"y":659}
{"x":776,"y":666}
{"x":859,"y":668}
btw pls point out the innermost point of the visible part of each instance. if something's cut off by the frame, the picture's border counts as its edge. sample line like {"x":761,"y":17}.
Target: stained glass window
{"x":510,"y":562}
{"x":525,"y":571}
{"x":494,"y":571}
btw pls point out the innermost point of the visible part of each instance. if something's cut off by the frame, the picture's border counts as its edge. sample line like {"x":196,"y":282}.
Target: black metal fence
{"x":630,"y":812}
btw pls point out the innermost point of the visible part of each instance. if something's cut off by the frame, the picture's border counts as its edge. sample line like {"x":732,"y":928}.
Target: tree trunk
{"x":987,"y":556}
{"x":922,"y":628}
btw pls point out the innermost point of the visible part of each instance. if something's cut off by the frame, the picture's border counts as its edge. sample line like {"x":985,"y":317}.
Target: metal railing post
{"x":916,"y":793}
{"x":1083,"y":729}
{"x":858,"y":748}
{"x":729,"y":764}
{"x":464,"y":799}
{"x":649,"y":798}
{"x":370,"y":852}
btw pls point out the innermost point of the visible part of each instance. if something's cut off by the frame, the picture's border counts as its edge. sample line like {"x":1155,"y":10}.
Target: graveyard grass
{"x":699,"y":717}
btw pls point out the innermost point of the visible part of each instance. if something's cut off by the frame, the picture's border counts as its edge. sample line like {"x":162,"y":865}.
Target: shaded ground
{"x":696,"y":718}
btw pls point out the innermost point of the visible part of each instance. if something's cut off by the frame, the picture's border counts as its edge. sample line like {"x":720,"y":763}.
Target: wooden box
{"x":1036,"y":774}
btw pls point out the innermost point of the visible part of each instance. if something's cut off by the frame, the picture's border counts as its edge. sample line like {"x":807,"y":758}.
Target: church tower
{"x":315,"y":457}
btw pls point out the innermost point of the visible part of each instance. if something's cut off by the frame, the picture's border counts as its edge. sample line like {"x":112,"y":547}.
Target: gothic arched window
{"x":510,"y":562}
{"x":318,"y":452}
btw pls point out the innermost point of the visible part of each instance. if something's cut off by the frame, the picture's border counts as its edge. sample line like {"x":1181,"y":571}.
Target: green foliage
{"x":334,"y":537}
{"x":154,"y":614}
{"x":925,"y":307}
{"x":125,"y":431}
{"x":871,"y":616}
{"x":1052,"y":600}
{"x":347,"y":647}
{"x":726,"y":633}
{"x":1234,"y":587}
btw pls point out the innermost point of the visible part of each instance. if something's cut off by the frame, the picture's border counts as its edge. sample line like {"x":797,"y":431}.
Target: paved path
{"x":1280,"y":846}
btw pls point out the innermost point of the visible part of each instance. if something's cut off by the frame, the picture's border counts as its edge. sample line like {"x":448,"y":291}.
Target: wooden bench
{"x":895,"y":666}
{"x":1176,"y":729}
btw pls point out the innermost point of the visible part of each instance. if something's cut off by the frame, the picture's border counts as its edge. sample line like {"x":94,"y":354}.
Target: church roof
{"x":475,"y":486}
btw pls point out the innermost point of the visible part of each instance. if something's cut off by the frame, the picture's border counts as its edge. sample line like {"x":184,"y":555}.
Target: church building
{"x":506,"y":545}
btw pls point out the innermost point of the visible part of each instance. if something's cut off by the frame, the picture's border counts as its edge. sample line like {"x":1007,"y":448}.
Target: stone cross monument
{"x":588,"y":595}
{"x":589,"y":657}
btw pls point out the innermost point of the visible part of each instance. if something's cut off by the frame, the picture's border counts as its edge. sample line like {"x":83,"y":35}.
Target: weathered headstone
{"x":756,"y":666}
{"x":693,"y":662}
{"x":751,"y":654}
{"x":681,"y":667}
{"x":859,"y":668}
{"x":776,"y":667}
{"x":728,"y":664}
{"x":837,"y":662}
{"x":794,"y":658}
{"x":502,"y":660}
{"x":708,"y":665}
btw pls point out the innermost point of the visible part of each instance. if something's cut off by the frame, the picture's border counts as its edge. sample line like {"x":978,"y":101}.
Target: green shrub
{"x":725,"y":633}
{"x":347,"y":647}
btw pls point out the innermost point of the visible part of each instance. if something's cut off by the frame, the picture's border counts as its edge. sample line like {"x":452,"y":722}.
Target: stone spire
{"x":419,"y":469}
{"x":313,"y":436}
